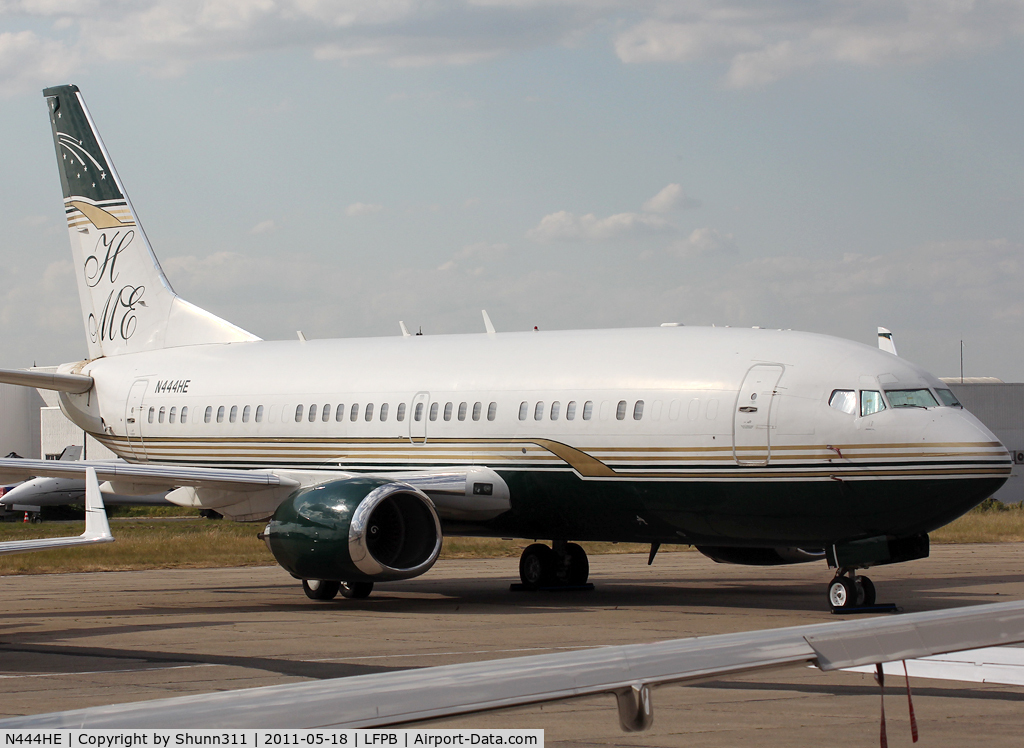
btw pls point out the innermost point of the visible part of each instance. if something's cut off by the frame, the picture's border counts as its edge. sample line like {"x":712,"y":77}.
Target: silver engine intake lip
{"x":395,"y":533}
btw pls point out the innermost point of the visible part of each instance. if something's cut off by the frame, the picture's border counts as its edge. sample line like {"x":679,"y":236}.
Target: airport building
{"x":32,"y":425}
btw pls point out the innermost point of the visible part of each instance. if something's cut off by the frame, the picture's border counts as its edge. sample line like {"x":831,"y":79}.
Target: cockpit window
{"x":948,"y":398}
{"x":844,"y":400}
{"x":871,"y":402}
{"x":911,"y":398}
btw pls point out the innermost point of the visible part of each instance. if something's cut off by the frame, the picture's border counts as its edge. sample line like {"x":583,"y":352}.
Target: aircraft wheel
{"x":579,"y":565}
{"x":842,"y":593}
{"x":320,"y":589}
{"x":868,"y":590}
{"x":356,"y":590}
{"x":537,"y":566}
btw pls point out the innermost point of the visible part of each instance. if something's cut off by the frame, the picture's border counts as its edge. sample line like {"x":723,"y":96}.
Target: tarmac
{"x":75,"y":640}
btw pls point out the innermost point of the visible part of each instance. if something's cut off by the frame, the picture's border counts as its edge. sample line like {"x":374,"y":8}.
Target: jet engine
{"x":356,"y":530}
{"x":761,"y":556}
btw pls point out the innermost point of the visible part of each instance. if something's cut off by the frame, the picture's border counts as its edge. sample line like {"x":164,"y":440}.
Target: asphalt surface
{"x":74,"y":640}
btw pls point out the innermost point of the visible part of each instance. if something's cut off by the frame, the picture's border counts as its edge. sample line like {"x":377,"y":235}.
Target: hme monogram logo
{"x":117,"y":319}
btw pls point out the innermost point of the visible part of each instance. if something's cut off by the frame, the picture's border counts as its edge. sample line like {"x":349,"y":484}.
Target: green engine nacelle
{"x":356,"y":530}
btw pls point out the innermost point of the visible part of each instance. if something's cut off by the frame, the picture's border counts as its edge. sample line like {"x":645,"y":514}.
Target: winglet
{"x":405,"y":330}
{"x":885,"y":341}
{"x":96,"y":526}
{"x":487,"y":322}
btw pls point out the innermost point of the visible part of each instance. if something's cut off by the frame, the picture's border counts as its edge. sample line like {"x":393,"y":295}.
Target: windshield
{"x":911,"y":398}
{"x":948,"y":398}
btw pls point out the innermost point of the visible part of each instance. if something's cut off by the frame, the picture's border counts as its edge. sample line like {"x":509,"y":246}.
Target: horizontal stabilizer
{"x":395,"y":698}
{"x":74,"y":383}
{"x":97,"y":529}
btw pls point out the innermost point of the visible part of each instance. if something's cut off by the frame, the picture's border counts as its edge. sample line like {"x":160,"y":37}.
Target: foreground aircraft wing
{"x":158,"y":476}
{"x":97,"y":530}
{"x":628,"y":672}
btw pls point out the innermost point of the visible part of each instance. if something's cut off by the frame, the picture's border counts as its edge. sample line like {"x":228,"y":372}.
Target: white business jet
{"x":756,"y":446}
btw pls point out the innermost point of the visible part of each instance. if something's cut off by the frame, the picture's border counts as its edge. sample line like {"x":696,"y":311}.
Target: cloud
{"x":706,"y":241}
{"x":262,"y":227}
{"x":566,"y":226}
{"x":363,"y":209}
{"x":670,"y":199}
{"x":474,"y":254}
{"x":756,"y":41}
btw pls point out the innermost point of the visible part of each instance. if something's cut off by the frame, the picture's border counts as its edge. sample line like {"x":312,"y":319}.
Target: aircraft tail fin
{"x":885,"y":341}
{"x":127,"y":303}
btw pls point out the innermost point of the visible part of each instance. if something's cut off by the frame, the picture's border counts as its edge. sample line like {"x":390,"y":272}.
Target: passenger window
{"x":312,"y":413}
{"x":325,"y":414}
{"x":693,"y":410}
{"x":447,"y":411}
{"x":477,"y":410}
{"x":152,"y":411}
{"x":463,"y":409}
{"x":208,"y":415}
{"x":538,"y":410}
{"x":492,"y":411}
{"x":184,"y":414}
{"x":638,"y":410}
{"x":161,"y":414}
{"x":844,"y":400}
{"x":911,"y":398}
{"x":871,"y":402}
{"x":418,"y":415}
{"x":712,"y":411}
{"x":673,"y":410}
{"x":220,"y":414}
{"x":233,"y":415}
{"x":353,"y":412}
{"x":298,"y":414}
{"x":556,"y":408}
{"x":171,"y":415}
{"x":433,"y":411}
{"x":259,"y":413}
{"x":588,"y":410}
{"x":523,"y":410}
{"x":368,"y":415}
{"x":570,"y":410}
{"x":246,"y":412}
{"x":384,"y":412}
{"x":339,"y":413}
{"x":401,"y":412}
{"x":946,"y":396}
{"x":620,"y":410}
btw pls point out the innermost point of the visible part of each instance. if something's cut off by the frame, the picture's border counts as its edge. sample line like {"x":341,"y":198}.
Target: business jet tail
{"x":127,"y":303}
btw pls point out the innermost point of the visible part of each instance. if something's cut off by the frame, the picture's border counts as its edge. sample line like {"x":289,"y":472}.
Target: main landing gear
{"x":325,"y":589}
{"x":848,"y":590}
{"x":561,"y":565}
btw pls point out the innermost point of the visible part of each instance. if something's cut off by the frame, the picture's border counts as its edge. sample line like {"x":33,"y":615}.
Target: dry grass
{"x":163,"y":543}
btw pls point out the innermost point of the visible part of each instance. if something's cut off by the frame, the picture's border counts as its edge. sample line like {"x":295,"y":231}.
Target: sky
{"x":335,"y":167}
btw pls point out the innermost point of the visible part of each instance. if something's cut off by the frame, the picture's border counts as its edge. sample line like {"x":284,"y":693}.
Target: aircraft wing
{"x":158,"y":476}
{"x":97,"y":530}
{"x":628,"y":672}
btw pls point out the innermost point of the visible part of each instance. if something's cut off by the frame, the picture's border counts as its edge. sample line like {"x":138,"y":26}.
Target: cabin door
{"x":752,"y":420}
{"x":133,"y":415}
{"x":418,"y":418}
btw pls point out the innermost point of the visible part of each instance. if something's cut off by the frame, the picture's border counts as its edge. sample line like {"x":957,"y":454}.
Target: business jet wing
{"x":627,"y":672}
{"x":157,"y":476}
{"x":97,"y":530}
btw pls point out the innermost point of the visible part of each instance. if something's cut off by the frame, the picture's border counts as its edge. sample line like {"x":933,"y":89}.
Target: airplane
{"x":97,"y":529}
{"x":628,"y":672}
{"x":756,"y":446}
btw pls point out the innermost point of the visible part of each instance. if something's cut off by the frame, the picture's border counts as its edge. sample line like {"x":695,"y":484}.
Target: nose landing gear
{"x":847,"y":590}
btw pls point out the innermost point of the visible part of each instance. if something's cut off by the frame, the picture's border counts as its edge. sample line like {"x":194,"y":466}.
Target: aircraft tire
{"x":579,"y":565}
{"x":868,"y":590}
{"x":842,"y":593}
{"x":356,"y":590}
{"x":537,"y":566}
{"x":320,"y":589}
